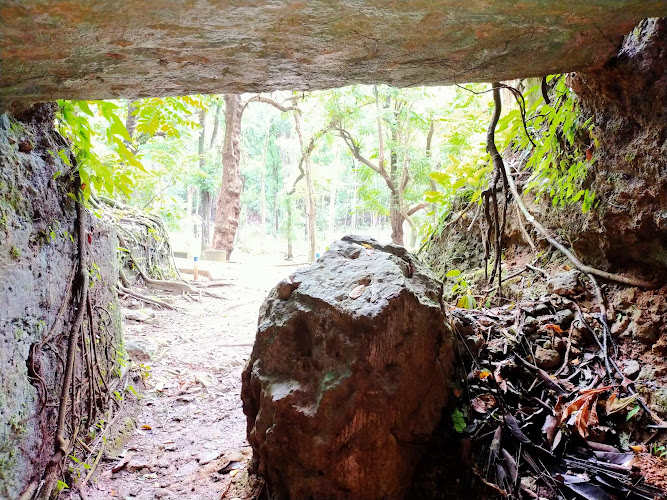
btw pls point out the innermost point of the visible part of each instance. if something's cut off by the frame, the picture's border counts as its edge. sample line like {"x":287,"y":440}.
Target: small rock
{"x":139,"y":350}
{"x":547,"y":358}
{"x":138,"y":464}
{"x":581,"y":337}
{"x":646,"y":333}
{"x":631,"y":369}
{"x":564,"y":318}
{"x":541,"y":310}
{"x":25,"y":146}
{"x":234,"y":456}
{"x":620,"y":326}
{"x":208,"y":456}
{"x":162,"y":493}
{"x":139,"y":315}
{"x":560,"y":344}
{"x":534,"y":310}
{"x":565,"y":283}
{"x":529,"y":325}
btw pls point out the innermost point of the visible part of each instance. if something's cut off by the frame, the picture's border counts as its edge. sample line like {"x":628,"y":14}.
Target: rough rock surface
{"x":106,"y":49}
{"x":627,"y":100}
{"x":36,"y":260}
{"x":348,"y":375}
{"x":565,"y":284}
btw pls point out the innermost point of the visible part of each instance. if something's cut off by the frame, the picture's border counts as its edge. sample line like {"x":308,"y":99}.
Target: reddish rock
{"x":547,"y":358}
{"x":340,"y":392}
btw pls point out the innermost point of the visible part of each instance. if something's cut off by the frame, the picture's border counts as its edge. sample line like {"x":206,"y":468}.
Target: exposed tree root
{"x":61,"y":444}
{"x":618,"y":278}
{"x":495,"y":221}
{"x":167,"y":285}
{"x":148,"y":300}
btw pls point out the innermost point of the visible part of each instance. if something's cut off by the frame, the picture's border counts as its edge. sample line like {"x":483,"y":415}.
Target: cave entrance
{"x":174,"y":51}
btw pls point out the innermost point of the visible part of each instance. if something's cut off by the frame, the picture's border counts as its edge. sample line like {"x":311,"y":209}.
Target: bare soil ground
{"x":189,"y":440}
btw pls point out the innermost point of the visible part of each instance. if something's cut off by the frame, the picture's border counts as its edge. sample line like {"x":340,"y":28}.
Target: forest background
{"x":290,"y":172}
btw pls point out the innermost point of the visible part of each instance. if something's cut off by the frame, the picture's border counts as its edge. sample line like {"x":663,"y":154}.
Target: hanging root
{"x":495,"y":221}
{"x":62,"y":446}
{"x":588,"y":270}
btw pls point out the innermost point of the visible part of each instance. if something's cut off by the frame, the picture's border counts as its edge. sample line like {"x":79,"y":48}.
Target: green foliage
{"x":658,"y":450}
{"x":77,"y":123}
{"x":562,"y":156}
{"x":633,"y":412}
{"x":107,"y":156}
{"x":60,"y":486}
{"x":458,"y":419}
{"x":466,"y":301}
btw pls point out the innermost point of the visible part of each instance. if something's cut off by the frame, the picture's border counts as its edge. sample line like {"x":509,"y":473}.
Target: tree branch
{"x":405,"y":176}
{"x":417,"y":208}
{"x":308,"y":151}
{"x":267,"y":100}
{"x":354,"y":149}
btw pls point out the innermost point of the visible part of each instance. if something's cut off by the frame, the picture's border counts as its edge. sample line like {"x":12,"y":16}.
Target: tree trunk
{"x":131,"y":120}
{"x":216,"y":123}
{"x":205,"y":196}
{"x":396,"y":218}
{"x":263,"y":177}
{"x":205,"y":220}
{"x":229,"y":200}
{"x":354,"y":204}
{"x":310,"y":191}
{"x":288,"y":229}
{"x":188,"y":217}
{"x":332,"y":210}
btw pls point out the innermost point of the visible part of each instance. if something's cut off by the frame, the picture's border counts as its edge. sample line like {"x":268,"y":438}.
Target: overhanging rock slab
{"x":104,"y":49}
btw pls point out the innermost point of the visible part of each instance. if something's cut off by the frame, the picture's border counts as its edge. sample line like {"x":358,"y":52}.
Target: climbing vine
{"x":559,"y":140}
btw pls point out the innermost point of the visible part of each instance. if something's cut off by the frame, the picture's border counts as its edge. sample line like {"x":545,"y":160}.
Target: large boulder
{"x":349,"y":374}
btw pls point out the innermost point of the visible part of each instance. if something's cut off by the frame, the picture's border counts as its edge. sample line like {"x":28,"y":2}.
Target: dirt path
{"x":191,"y":430}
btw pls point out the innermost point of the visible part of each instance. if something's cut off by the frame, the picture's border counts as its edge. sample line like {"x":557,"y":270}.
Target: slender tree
{"x":229,"y":200}
{"x":393,"y":165}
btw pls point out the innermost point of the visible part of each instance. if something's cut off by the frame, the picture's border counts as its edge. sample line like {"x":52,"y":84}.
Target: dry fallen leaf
{"x":357,"y":291}
{"x":550,"y":428}
{"x":484,"y":403}
{"x":615,"y":404}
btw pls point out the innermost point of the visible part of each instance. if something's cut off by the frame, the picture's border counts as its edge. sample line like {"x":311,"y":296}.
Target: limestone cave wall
{"x":38,"y":278}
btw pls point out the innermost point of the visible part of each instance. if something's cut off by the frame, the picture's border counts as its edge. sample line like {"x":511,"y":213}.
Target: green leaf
{"x":83,"y":105}
{"x":458,"y":419}
{"x":467,"y":301}
{"x":453,"y":273}
{"x":632,"y":412}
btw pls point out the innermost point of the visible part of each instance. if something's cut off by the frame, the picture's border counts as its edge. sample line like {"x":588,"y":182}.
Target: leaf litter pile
{"x":545,"y":410}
